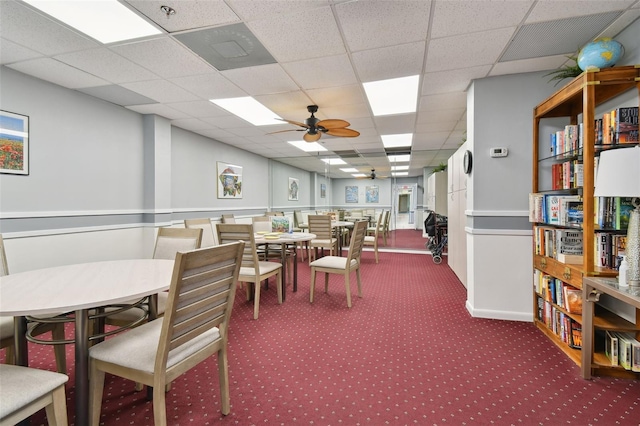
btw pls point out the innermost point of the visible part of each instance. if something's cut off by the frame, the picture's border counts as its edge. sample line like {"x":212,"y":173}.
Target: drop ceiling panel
{"x":330,"y":71}
{"x":192,"y":124}
{"x":300,"y":35}
{"x":337,"y":96}
{"x":442,"y":126}
{"x":528,"y":65}
{"x":289,"y":105}
{"x":438,"y":115}
{"x":393,"y":23}
{"x":252,"y":10}
{"x":161,"y":91}
{"x":189,"y":15}
{"x":21,"y":24}
{"x":199,"y":109}
{"x":108,"y":65}
{"x":451,"y":100}
{"x":12,"y":52}
{"x":56,"y":72}
{"x":117,"y":95}
{"x":389,"y":62}
{"x":158,"y":109}
{"x":467,"y":50}
{"x":395,"y":124}
{"x":550,"y":10}
{"x":165,"y":56}
{"x":347,"y":112}
{"x":472,"y":16}
{"x":261,"y":80}
{"x":212,"y":85}
{"x":452,"y":80}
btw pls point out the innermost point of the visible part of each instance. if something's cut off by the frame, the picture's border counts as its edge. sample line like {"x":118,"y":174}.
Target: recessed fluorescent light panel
{"x":308,"y":147}
{"x":334,"y":161}
{"x":394,"y":96}
{"x":350,"y":170}
{"x":249,"y":110}
{"x":397,"y":141}
{"x":405,"y":158}
{"x":395,"y":168}
{"x":107,"y":21}
{"x":359,"y":175}
{"x":400,"y":174}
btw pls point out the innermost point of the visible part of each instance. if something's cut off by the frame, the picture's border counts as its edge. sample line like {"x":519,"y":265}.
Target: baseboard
{"x":499,"y":315}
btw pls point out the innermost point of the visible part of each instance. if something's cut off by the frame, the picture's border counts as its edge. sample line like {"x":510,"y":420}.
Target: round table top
{"x":82,"y":286}
{"x":284,"y":238}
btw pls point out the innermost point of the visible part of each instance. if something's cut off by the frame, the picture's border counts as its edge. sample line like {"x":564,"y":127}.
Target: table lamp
{"x":619,"y":176}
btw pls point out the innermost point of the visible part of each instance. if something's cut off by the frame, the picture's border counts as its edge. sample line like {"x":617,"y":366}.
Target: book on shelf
{"x":611,"y":347}
{"x":576,"y":335}
{"x":572,"y":259}
{"x":626,"y":122}
{"x":536,"y":206}
{"x":573,"y":212}
{"x":568,"y":241}
{"x":625,"y":350}
{"x":572,"y":299}
{"x":624,"y":207}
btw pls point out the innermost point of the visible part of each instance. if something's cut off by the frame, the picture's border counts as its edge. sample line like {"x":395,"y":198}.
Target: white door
{"x":404,"y":208}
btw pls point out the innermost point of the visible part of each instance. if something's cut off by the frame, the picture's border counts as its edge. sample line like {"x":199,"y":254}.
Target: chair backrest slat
{"x":320,"y":225}
{"x":4,"y":268}
{"x":240,"y":232}
{"x":200,"y":277}
{"x":357,"y":240}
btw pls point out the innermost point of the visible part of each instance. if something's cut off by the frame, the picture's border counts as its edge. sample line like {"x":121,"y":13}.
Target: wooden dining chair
{"x":320,"y":225}
{"x":373,"y":233}
{"x":195,"y":326}
{"x":253,"y":270}
{"x":387,"y":219}
{"x":341,"y":265}
{"x":169,"y":242}
{"x":208,"y":236}
{"x":26,"y":391}
{"x":7,"y":335}
{"x":228,"y":218}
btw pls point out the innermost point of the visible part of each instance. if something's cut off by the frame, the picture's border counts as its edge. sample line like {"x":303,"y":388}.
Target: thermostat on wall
{"x":499,"y":152}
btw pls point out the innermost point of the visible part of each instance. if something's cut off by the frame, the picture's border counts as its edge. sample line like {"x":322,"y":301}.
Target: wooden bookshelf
{"x":575,"y":103}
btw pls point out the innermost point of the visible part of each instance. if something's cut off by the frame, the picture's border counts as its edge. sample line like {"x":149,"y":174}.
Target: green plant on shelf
{"x":567,"y":71}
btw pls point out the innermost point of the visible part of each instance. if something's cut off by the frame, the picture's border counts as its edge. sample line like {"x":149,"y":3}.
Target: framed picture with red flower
{"x":14,"y":143}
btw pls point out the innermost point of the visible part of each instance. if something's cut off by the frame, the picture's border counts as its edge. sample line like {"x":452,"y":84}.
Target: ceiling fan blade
{"x":295,"y":123}
{"x":345,"y":133}
{"x":311,"y":138}
{"x":282,"y":131}
{"x":333,"y":123}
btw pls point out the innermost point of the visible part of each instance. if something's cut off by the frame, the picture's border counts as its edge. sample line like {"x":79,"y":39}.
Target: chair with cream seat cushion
{"x":194,"y":327}
{"x":228,"y":218}
{"x":26,"y":391}
{"x":7,"y":336}
{"x":169,"y":242}
{"x":342,"y":265}
{"x":253,"y":270}
{"x":208,"y":236}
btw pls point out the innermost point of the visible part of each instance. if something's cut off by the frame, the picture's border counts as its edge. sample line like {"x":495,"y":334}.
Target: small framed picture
{"x":323,"y":190}
{"x":372,"y":194}
{"x":229,"y":180}
{"x":293,"y":189}
{"x":14,"y":143}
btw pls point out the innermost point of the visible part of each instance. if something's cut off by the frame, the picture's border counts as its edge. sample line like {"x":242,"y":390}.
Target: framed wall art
{"x":14,"y":143}
{"x":323,"y":190}
{"x":351,"y":194}
{"x":372,"y":194}
{"x":229,"y":180}
{"x":294,"y":186}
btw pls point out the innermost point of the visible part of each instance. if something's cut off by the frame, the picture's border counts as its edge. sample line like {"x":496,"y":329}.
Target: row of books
{"x":565,"y":245}
{"x":612,"y":212}
{"x":558,"y":292}
{"x":562,"y":325}
{"x":567,"y":175}
{"x":563,"y":210}
{"x":609,"y":249}
{"x":619,"y":126}
{"x":623,"y":349}
{"x":567,"y":210}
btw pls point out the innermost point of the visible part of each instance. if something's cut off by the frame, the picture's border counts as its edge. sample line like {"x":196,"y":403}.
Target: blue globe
{"x":601,"y":53}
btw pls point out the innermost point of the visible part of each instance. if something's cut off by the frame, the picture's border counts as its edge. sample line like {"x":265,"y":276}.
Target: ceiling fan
{"x":314,"y":127}
{"x":373,"y":175}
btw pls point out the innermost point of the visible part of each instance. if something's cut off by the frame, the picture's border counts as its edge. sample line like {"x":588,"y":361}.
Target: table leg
{"x":283,"y":250}
{"x":295,"y":268}
{"x":82,"y":367}
{"x":21,"y":350}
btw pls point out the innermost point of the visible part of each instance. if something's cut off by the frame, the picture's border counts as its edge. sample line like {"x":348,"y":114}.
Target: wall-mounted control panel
{"x":498,"y":152}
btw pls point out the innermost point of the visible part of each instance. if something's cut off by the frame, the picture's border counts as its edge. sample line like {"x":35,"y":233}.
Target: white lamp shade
{"x":618,"y":173}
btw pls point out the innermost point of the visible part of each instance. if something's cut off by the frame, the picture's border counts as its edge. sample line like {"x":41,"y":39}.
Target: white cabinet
{"x":456,"y":206}
{"x":437,"y":193}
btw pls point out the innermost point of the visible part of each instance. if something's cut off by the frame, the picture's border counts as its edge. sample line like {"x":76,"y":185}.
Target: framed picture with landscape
{"x":14,"y":143}
{"x":229,"y":180}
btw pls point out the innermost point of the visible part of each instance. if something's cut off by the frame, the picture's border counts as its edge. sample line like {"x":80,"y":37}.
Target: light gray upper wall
{"x":194,"y":174}
{"x":280,"y":174}
{"x":630,"y":39}
{"x":85,"y":154}
{"x":502,"y":117}
{"x":338,"y":199}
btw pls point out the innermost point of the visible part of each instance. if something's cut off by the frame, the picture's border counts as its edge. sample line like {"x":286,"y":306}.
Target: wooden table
{"x":78,"y":288}
{"x":592,"y":287}
{"x":283,"y":240}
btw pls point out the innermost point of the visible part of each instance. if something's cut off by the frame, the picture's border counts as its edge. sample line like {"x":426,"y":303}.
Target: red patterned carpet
{"x":406,"y":353}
